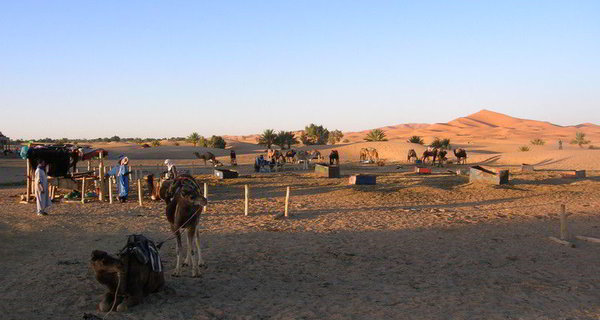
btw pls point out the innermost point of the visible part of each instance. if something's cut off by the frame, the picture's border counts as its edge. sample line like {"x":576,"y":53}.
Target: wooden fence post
{"x":247,"y":195}
{"x":287,"y":201}
{"x":139,"y":185}
{"x":110,"y":195}
{"x":83,"y":190}
{"x":101,"y":172}
{"x":28,"y":177}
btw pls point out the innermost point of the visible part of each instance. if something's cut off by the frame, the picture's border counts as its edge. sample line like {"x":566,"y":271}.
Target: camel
{"x":208,"y":156}
{"x":429,"y":153}
{"x":441,"y":157}
{"x":412,"y":154}
{"x":334,"y":157}
{"x":289,"y":156}
{"x":369,"y":154}
{"x":128,"y":279}
{"x":303,"y":157}
{"x":184,"y":206}
{"x":461,"y":155}
{"x":316,"y":155}
{"x":153,"y":186}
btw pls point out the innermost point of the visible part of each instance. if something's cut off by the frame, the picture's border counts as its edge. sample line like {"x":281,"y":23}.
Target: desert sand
{"x":411,"y":247}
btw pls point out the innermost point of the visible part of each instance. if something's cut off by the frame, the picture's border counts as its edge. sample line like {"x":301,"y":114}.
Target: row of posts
{"x":139,"y":187}
{"x":102,"y":172}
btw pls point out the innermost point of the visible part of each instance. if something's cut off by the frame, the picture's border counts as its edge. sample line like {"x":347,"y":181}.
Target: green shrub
{"x":217,"y":142}
{"x":155,"y":143}
{"x":580,"y":139}
{"x":538,"y":142}
{"x":523,"y":148}
{"x":440,"y":143}
{"x":416,"y":139}
{"x":375,"y":135}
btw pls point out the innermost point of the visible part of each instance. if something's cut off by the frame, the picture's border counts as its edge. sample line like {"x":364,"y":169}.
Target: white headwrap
{"x":169,"y":164}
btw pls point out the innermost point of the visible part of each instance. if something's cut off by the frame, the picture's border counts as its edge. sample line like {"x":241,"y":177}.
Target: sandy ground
{"x":412,"y":247}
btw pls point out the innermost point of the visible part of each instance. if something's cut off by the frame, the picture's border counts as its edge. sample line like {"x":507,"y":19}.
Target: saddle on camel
{"x":134,"y":273}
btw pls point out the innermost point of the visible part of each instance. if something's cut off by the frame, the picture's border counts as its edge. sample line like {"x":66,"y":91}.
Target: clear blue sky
{"x":154,"y":69}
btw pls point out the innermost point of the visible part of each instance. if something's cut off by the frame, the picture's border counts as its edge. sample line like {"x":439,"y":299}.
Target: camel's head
{"x":104,"y":262}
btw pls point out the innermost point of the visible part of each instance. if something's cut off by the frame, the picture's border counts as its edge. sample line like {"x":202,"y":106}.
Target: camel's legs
{"x":177,"y":272}
{"x":200,"y":260}
{"x":190,"y":238}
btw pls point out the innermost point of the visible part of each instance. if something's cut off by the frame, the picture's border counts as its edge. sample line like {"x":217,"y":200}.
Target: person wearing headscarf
{"x":121,"y":172}
{"x":232,"y":157}
{"x":41,"y":189}
{"x":171,"y":169}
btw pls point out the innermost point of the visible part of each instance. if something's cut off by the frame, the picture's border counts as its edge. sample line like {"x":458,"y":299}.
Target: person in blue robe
{"x":121,"y":173}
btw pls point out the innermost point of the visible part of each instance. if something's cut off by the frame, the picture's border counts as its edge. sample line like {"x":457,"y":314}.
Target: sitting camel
{"x":412,"y":154}
{"x":373,"y":154}
{"x":334,"y":157}
{"x":127,"y":278}
{"x":184,"y":205}
{"x":461,"y":155}
{"x":429,"y":153}
{"x":369,"y":154}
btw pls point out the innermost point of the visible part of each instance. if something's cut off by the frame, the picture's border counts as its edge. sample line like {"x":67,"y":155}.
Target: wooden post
{"x":83,"y":190}
{"x":89,"y":166}
{"x":110,"y":196}
{"x":247,"y":195}
{"x":139,"y":185}
{"x":101,"y":176}
{"x":28,"y":177}
{"x":564,"y":229}
{"x":287,"y":201}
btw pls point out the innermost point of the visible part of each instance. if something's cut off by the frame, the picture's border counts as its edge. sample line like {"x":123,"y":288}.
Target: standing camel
{"x":429,"y":153}
{"x":184,"y":206}
{"x":207,"y":156}
{"x":334,"y":157}
{"x":442,"y":157}
{"x":461,"y":155}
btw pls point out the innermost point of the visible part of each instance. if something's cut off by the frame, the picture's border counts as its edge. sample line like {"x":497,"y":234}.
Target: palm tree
{"x":194,"y":138}
{"x":580,"y":139}
{"x":375,"y":135}
{"x":416,"y":139}
{"x":285,"y":138}
{"x":267,"y":138}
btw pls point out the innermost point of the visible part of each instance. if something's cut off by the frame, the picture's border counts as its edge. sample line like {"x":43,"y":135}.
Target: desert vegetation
{"x":375,"y":135}
{"x":335,"y":136}
{"x":538,"y":142}
{"x":580,"y":139}
{"x":416,"y":139}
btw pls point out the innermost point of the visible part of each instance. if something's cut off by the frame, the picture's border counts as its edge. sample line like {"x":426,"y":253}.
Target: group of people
{"x":260,"y":163}
{"x":121,"y":173}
